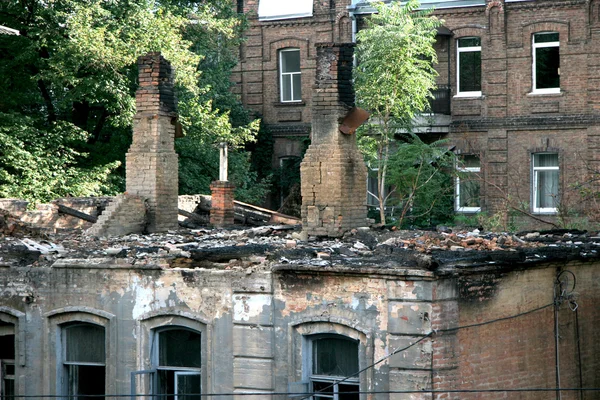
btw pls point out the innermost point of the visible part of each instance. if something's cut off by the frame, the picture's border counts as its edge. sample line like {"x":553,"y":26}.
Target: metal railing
{"x":440,"y":104}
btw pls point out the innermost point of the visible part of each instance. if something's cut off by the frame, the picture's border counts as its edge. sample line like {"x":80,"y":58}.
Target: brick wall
{"x":152,"y":169}
{"x":333,"y":171}
{"x":508,"y":123}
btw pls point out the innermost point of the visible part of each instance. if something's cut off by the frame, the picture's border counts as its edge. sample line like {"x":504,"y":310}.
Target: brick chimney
{"x":152,"y":167}
{"x":334,"y":175}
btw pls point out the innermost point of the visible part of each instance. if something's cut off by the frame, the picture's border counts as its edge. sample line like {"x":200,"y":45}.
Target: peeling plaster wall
{"x":254,"y":325}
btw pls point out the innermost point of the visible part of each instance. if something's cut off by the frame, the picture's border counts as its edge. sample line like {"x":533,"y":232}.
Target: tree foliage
{"x":394,"y":78}
{"x":67,"y":87}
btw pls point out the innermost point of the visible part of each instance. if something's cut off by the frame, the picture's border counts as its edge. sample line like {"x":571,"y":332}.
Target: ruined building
{"x":517,"y":94}
{"x":255,"y":314}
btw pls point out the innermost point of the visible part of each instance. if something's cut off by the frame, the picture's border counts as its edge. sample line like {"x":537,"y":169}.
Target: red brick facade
{"x":505,"y":126}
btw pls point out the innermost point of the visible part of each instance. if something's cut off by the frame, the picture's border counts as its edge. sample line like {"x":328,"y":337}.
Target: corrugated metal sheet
{"x":365,"y":7}
{"x":269,"y":10}
{"x":8,"y":31}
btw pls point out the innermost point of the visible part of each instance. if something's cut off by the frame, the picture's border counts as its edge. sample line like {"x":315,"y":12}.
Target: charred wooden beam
{"x":78,"y":214}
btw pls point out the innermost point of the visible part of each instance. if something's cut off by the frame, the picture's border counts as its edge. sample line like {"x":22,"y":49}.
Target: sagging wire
{"x":564,"y":292}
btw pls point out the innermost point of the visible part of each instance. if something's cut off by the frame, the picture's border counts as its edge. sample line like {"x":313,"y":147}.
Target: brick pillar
{"x":221,"y":209}
{"x":333,"y":172}
{"x":152,"y":168}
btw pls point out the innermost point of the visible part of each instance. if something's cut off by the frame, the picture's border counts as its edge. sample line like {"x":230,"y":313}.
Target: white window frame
{"x":459,"y":50}
{"x":534,"y":47}
{"x":535,"y":170}
{"x":469,"y":170}
{"x":291,"y":74}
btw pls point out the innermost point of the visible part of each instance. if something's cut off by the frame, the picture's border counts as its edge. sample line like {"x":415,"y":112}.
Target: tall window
{"x":7,"y":361}
{"x":178,"y":362}
{"x":468,"y":71}
{"x":334,"y":358}
{"x":546,"y":63}
{"x":290,"y":75}
{"x":545,"y":182}
{"x":468,"y":184}
{"x":84,"y":361}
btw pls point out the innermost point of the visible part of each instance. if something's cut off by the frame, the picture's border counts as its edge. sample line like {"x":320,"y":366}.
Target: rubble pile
{"x":265,"y":246}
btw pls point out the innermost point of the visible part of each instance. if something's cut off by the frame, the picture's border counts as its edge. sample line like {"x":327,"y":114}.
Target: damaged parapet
{"x":334,"y":175}
{"x":152,"y":169}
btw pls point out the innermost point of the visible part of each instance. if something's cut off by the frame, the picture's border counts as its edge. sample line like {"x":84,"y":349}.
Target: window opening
{"x":468,"y":184}
{"x":546,"y":62}
{"x":178,"y":364}
{"x":84,"y":361}
{"x":290,"y":75}
{"x":7,"y":361}
{"x":468,"y":71}
{"x":334,"y":359}
{"x":545,"y":182}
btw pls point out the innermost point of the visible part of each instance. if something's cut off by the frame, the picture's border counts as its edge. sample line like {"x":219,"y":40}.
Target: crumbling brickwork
{"x":152,"y":169}
{"x":124,"y":215}
{"x":221,"y":210}
{"x":334,"y":175}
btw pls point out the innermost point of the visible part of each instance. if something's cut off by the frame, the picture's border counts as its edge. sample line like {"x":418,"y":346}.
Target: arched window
{"x":177,"y":359}
{"x":83,"y":360}
{"x":7,"y":360}
{"x":333,"y":367}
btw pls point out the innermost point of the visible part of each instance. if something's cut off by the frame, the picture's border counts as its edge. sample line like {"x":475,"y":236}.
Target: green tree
{"x":394,"y":79}
{"x":423,"y":178}
{"x":67,"y":85}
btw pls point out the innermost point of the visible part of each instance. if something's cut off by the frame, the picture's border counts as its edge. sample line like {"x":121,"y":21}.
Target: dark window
{"x":7,"y":361}
{"x":84,"y":361}
{"x":178,"y":364}
{"x":469,"y":66}
{"x":546,"y":62}
{"x":334,"y":359}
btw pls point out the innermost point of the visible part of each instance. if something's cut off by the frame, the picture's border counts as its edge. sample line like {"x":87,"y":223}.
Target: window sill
{"x":468,"y":210}
{"x":545,"y":212}
{"x":289,"y":104}
{"x":469,"y":95}
{"x":548,"y":94}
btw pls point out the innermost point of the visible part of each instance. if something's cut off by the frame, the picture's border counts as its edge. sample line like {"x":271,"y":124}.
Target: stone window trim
{"x":536,"y":171}
{"x":466,"y":170}
{"x":289,"y":79}
{"x":461,"y":51}
{"x":56,"y":321}
{"x":537,"y":43}
{"x":149,"y":326}
{"x":300,"y":335}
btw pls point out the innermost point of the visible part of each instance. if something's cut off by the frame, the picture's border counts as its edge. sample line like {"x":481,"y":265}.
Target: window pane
{"x":547,"y":190}
{"x":469,"y":42}
{"x":545,"y":37}
{"x":469,"y":188}
{"x":179,"y":348}
{"x":545,"y":160}
{"x":470,"y":71}
{"x":286,"y":88}
{"x":86,"y":382}
{"x":348,"y":392}
{"x":85,"y":343}
{"x":290,"y":61}
{"x":547,"y":63}
{"x":337,"y":357}
{"x":7,"y":347}
{"x":188,"y":384}
{"x":470,"y":161}
{"x":323,"y":387}
{"x":297,"y":87}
